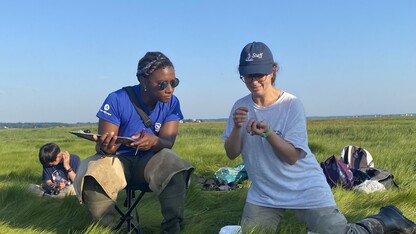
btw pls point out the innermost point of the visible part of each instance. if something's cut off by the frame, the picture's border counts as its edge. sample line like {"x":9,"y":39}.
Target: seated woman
{"x":147,"y":160}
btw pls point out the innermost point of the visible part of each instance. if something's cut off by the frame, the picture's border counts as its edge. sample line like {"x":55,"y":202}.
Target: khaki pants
{"x":165,"y":172}
{"x":110,"y":174}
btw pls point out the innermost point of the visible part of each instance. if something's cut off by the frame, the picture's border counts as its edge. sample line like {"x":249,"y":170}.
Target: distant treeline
{"x":61,"y":125}
{"x":42,"y":125}
{"x":58,"y":125}
{"x":203,"y":120}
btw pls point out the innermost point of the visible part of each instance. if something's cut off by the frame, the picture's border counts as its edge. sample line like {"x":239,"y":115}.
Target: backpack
{"x":359,"y":176}
{"x":382,"y":176}
{"x":356,"y":157}
{"x":337,"y":173}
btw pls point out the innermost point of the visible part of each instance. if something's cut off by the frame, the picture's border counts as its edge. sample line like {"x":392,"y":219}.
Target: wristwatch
{"x":69,"y":170}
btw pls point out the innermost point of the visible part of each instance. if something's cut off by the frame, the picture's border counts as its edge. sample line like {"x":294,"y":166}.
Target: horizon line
{"x":225,"y":118}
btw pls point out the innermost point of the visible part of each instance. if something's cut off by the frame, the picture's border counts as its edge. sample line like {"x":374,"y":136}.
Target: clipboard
{"x":89,"y":136}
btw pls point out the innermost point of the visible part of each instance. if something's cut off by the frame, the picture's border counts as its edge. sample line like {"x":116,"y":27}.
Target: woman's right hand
{"x":240,"y":116}
{"x":107,"y":142}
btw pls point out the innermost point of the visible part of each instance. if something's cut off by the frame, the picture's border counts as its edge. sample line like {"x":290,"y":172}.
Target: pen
{"x":137,"y":150}
{"x":141,"y":135}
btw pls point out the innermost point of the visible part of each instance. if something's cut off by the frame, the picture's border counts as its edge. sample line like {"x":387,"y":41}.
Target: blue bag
{"x":234,"y":174}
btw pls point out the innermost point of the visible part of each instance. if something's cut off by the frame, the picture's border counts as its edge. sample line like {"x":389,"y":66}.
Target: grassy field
{"x":390,"y":140}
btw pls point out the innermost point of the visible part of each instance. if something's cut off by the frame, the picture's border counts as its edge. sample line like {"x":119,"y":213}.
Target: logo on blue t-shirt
{"x":157,"y":127}
{"x":106,"y":108}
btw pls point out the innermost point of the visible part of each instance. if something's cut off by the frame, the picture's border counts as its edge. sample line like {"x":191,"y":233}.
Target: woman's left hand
{"x":146,"y":141}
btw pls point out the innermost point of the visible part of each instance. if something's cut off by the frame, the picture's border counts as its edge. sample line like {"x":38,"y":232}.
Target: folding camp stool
{"x":130,"y":203}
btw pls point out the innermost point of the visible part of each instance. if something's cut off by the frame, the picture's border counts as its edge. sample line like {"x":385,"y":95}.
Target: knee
{"x":179,"y":180}
{"x":176,"y":186}
{"x":92,"y":190}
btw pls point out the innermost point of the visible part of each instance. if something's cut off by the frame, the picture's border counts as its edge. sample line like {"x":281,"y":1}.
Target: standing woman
{"x":147,"y":160}
{"x":268,"y":128}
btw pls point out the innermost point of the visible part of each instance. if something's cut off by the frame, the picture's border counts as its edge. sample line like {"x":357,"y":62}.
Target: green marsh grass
{"x":391,"y":141}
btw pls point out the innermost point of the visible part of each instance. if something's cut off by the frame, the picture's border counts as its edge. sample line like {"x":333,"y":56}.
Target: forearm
{"x":233,"y":145}
{"x":283,"y":149}
{"x":72,"y":175}
{"x":162,"y":143}
{"x":166,"y":137}
{"x":69,"y":172}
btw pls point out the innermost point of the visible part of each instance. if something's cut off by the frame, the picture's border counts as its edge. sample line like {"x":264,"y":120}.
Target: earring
{"x":145,"y":89}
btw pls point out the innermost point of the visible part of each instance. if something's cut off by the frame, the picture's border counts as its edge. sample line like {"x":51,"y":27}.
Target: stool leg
{"x":130,"y":225}
{"x":127,"y":216}
{"x":133,"y":206}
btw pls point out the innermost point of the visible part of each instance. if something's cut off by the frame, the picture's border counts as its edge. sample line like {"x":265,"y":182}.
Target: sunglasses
{"x":253,"y":77}
{"x":164,"y":84}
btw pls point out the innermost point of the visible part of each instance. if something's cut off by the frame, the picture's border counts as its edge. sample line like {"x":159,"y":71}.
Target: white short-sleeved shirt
{"x":276,"y":183}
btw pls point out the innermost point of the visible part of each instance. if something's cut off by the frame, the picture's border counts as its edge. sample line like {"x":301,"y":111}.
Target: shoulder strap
{"x":137,"y":105}
{"x":344,"y":154}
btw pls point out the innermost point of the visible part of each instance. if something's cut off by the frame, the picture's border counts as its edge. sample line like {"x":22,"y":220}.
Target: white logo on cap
{"x":250,"y":57}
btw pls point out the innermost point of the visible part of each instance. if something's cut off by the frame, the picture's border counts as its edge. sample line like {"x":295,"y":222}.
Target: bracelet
{"x":266,"y":133}
{"x":69,"y":170}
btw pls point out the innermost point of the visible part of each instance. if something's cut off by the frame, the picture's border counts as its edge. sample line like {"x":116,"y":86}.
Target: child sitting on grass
{"x":59,"y":171}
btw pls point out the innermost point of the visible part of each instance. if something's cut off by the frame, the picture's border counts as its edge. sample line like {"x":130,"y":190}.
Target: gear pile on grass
{"x":215,"y":185}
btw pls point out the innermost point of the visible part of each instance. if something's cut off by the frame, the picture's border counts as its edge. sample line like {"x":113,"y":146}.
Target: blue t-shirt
{"x":58,"y":172}
{"x":118,"y":109}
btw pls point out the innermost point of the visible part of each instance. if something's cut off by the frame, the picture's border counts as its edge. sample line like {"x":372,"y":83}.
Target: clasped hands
{"x":254,"y":127}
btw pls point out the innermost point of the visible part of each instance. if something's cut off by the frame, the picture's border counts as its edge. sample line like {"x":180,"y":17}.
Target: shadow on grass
{"x":21,"y":210}
{"x":21,"y":176}
{"x":205,"y":212}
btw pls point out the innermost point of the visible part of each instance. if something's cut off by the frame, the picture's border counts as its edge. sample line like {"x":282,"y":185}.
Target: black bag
{"x":382,"y":176}
{"x":359,"y":176}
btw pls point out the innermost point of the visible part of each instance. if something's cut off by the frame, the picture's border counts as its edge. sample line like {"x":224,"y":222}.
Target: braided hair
{"x":151,"y":62}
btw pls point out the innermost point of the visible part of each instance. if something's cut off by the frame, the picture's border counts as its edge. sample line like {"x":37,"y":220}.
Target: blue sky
{"x":60,"y":59}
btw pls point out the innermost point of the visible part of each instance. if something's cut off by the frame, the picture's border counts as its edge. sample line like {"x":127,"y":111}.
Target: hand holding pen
{"x":142,"y":133}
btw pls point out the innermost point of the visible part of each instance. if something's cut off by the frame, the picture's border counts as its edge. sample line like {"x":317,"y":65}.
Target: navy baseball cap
{"x":256,"y":58}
